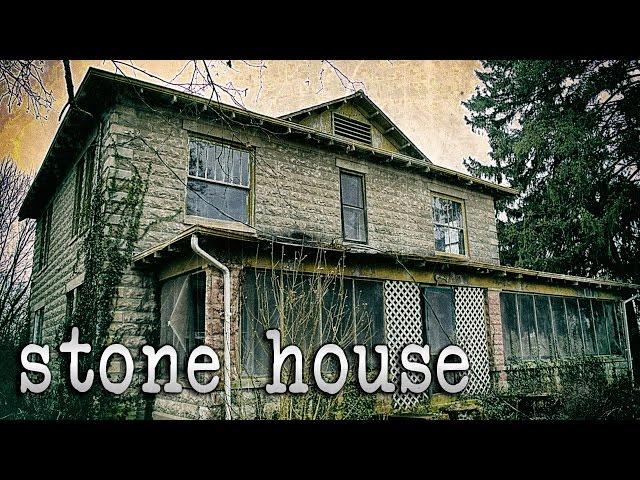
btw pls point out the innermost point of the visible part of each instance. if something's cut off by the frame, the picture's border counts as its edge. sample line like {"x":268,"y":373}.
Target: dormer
{"x":356,"y":118}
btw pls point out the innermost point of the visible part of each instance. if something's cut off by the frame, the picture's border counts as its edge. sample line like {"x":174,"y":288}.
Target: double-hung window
{"x":448,"y":226}
{"x":218,"y":184}
{"x":354,"y":215}
{"x":45,"y":237}
{"x":36,"y":331}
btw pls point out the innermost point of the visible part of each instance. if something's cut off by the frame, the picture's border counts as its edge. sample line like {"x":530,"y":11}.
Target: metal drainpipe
{"x":227,"y":320}
{"x":626,"y":326}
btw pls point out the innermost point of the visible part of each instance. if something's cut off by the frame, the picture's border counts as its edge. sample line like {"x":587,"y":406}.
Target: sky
{"x":423,"y":98}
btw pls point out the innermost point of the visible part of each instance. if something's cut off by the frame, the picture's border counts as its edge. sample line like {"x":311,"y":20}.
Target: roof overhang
{"x":100,"y":89}
{"x":159,"y":255}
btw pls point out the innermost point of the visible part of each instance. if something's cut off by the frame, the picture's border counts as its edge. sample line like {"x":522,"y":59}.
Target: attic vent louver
{"x":352,"y":129}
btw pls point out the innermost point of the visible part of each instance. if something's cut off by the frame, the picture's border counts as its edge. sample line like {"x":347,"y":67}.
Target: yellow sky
{"x":422,"y":97}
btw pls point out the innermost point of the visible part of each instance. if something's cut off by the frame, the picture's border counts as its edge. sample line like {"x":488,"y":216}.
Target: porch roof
{"x":173,"y":248}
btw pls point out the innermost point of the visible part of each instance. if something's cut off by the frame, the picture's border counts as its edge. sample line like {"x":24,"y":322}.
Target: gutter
{"x":226,"y":293}
{"x":626,"y":326}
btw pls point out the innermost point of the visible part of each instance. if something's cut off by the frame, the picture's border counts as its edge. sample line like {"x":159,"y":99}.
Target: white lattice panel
{"x":472,"y":336}
{"x":404,"y":326}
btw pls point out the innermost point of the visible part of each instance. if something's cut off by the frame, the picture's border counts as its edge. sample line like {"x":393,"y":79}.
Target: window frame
{"x":191,"y":218}
{"x":84,"y":184}
{"x":197,"y":337}
{"x":555,"y":339}
{"x":44,"y":234}
{"x":363,"y":181}
{"x":464,"y":228}
{"x":38,"y":321}
{"x":246,"y":376}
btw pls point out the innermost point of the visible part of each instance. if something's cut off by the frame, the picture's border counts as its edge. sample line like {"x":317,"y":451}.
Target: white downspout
{"x":227,"y":320}
{"x":626,"y":326}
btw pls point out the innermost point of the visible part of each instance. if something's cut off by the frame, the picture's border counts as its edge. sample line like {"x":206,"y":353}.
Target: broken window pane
{"x":182,"y":314}
{"x":448,"y":226}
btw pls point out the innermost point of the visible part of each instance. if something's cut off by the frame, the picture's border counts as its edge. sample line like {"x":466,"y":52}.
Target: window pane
{"x":354,"y":224}
{"x":615,"y":340}
{"x":369,"y":299}
{"x":588,"y":330}
{"x":220,"y":163}
{"x":574,"y":326}
{"x":196,"y":325}
{"x":562,"y":345}
{"x":221,"y":202}
{"x":449,"y":240}
{"x":439,"y":318}
{"x":447,"y":212}
{"x":259,"y":314}
{"x":602,"y":336}
{"x":182,"y":307}
{"x":527,"y":327}
{"x":193,"y":158}
{"x":543,"y":319}
{"x":337,"y":313}
{"x":351,"y":190}
{"x":510,"y":326}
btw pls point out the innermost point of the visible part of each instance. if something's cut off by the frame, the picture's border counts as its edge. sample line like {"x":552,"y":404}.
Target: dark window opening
{"x":309,"y":311}
{"x":45,"y":238}
{"x":354,"y":217}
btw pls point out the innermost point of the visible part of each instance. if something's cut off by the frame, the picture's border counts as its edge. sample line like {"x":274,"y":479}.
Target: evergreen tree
{"x":567,"y":135}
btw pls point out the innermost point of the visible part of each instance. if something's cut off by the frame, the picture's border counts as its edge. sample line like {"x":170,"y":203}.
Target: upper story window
{"x":448,"y":225}
{"x":218,"y":184}
{"x":352,"y":129}
{"x":354,"y":215}
{"x":85,"y":175}
{"x":45,"y":237}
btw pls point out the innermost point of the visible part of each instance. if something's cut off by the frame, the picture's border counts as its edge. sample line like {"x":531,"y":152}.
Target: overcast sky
{"x":422,"y":97}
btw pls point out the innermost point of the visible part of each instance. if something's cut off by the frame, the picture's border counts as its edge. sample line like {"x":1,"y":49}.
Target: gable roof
{"x":373,"y":113}
{"x":99,"y":89}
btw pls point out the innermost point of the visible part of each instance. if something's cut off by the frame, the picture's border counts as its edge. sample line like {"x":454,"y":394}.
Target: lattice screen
{"x":404,"y":326}
{"x":472,"y":336}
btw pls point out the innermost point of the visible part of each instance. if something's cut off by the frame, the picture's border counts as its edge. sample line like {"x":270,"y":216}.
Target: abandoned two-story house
{"x":327,"y":223}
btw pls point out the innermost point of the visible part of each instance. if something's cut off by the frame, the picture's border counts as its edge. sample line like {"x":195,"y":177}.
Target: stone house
{"x":335,"y":195}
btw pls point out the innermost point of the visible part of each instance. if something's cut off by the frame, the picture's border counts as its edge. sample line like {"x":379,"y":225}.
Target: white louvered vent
{"x":352,"y":129}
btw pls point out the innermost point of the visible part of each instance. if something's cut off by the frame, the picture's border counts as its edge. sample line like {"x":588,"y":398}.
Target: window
{"x":352,"y":129}
{"x":45,"y":238}
{"x":85,"y":177}
{"x":439,"y":325}
{"x":218,"y":183}
{"x":72,"y":302}
{"x":448,"y":225}
{"x":354,"y":217}
{"x":309,"y":310}
{"x":182,"y":314}
{"x":544,"y":327}
{"x":36,"y":330}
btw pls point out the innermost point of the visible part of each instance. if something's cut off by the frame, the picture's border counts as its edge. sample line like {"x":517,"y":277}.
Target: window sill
{"x":227,"y":225}
{"x":458,"y":256}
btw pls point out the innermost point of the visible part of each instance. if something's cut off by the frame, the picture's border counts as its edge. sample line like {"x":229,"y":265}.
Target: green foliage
{"x":107,"y":249}
{"x":572,"y":390}
{"x":567,"y":135}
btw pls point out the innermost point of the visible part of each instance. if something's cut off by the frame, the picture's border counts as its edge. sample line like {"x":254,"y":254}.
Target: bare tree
{"x":16,"y":246}
{"x":22,"y":82}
